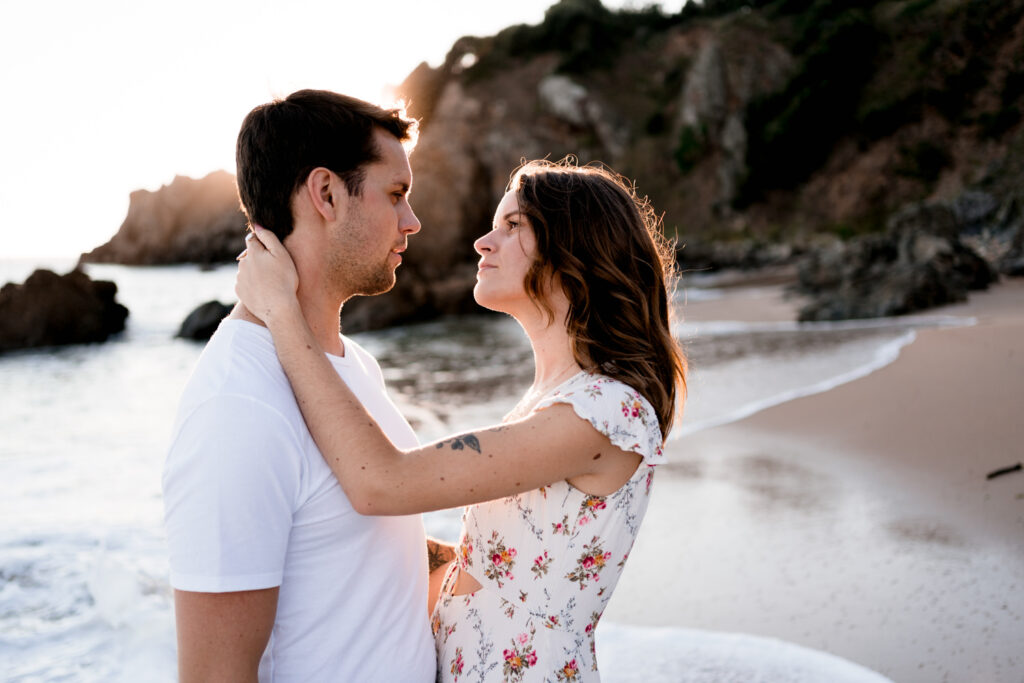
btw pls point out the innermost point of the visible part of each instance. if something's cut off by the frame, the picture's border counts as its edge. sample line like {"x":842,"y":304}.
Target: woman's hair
{"x":603,"y":245}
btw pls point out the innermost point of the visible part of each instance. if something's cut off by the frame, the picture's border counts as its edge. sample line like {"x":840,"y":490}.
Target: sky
{"x":105,"y":97}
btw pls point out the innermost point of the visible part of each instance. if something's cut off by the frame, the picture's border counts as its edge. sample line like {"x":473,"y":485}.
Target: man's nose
{"x":410,"y":224}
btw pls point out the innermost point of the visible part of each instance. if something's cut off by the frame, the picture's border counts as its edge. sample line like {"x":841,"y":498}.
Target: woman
{"x":555,"y":494}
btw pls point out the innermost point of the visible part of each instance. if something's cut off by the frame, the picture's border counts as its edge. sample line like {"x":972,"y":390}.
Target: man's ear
{"x":326,"y":193}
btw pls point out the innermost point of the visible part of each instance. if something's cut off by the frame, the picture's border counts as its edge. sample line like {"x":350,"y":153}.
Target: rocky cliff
{"x":188,"y":221}
{"x":762,"y":129}
{"x":767,"y":122}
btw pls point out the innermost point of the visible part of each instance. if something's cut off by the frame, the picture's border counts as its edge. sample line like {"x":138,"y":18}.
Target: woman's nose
{"x":482,"y":245}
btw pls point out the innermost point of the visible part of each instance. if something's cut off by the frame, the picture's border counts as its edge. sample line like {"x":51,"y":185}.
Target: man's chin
{"x":380,"y":286}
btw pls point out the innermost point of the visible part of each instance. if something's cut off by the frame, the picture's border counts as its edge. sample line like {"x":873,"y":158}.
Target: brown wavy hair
{"x":603,"y":245}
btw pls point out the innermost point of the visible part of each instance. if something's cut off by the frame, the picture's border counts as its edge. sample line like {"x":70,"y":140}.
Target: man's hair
{"x":282,"y":141}
{"x":603,"y":244}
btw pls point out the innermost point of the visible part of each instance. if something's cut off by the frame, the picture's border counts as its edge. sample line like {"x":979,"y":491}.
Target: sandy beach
{"x":858,"y":521}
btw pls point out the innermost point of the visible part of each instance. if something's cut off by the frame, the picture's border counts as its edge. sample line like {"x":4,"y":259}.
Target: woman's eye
{"x":512,"y":225}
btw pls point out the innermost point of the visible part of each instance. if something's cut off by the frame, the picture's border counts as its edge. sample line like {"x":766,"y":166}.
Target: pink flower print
{"x":502,"y":560}
{"x":590,"y":506}
{"x":457,"y":663}
{"x":552,"y":621}
{"x":632,"y":408}
{"x":520,"y":658}
{"x":568,"y":672}
{"x":465,"y":555}
{"x":540,"y":565}
{"x":590,"y":564}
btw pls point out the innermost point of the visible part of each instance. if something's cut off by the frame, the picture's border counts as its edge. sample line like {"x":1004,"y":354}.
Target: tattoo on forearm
{"x":459,"y":442}
{"x":438,"y":553}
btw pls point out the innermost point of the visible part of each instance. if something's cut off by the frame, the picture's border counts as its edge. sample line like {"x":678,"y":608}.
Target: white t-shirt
{"x":251,"y":504}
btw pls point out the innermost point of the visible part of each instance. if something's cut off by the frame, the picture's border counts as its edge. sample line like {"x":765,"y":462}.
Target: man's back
{"x":250,"y":505}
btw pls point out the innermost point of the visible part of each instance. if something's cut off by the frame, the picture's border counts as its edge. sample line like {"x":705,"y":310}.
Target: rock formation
{"x":188,"y":221}
{"x":759,"y":129}
{"x":918,"y":263}
{"x":51,"y":310}
{"x":203,"y":321}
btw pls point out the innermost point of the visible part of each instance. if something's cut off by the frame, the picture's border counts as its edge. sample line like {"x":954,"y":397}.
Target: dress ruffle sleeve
{"x":616,"y":410}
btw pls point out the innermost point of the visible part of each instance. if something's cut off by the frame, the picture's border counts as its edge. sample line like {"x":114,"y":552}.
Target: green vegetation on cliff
{"x":748,"y":119}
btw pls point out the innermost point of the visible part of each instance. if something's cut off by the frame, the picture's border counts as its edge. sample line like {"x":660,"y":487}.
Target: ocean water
{"x":84,"y":594}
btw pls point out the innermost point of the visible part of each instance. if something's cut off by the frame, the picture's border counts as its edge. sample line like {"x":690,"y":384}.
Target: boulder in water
{"x":203,"y":321}
{"x":52,"y":310}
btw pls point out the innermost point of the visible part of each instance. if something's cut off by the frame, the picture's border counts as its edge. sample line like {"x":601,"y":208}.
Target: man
{"x":276,"y":577}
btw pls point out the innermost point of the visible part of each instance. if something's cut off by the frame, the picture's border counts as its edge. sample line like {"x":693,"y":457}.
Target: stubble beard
{"x":355,"y":274}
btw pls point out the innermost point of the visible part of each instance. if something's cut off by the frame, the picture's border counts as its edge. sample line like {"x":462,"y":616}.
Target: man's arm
{"x":221,"y":636}
{"x":229,"y":488}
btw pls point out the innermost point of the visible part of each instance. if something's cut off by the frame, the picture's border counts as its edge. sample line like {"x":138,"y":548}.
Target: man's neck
{"x":322,"y":320}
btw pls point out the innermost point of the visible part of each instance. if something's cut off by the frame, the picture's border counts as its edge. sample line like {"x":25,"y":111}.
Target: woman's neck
{"x":554,"y":360}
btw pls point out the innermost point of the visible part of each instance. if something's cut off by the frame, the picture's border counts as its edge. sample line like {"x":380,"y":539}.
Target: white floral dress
{"x":547,"y":559}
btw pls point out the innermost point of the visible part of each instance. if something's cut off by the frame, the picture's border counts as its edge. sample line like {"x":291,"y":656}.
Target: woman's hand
{"x":267,"y":280}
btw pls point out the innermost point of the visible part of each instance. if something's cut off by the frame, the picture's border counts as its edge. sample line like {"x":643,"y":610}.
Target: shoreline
{"x":857,"y":521}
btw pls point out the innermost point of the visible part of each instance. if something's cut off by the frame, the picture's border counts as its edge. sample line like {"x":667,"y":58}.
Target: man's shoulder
{"x":239,"y":364}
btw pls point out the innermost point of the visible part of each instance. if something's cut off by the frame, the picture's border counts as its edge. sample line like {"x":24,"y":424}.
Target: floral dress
{"x":548,"y":559}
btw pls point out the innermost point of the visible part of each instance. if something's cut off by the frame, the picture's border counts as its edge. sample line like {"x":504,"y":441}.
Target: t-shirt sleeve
{"x":231,"y":482}
{"x":616,"y":410}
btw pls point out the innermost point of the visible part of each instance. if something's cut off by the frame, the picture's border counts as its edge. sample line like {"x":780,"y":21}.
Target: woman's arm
{"x":378,"y":477}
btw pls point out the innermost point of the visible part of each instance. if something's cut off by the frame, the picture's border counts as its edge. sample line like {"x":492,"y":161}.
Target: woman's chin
{"x":487,"y":300}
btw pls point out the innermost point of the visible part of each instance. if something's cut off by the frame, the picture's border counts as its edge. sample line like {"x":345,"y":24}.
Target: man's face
{"x":366,"y":246}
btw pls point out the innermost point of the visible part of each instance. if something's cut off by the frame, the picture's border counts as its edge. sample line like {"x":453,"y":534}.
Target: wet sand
{"x":858,"y":521}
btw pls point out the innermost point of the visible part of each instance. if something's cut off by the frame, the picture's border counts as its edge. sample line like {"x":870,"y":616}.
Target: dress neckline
{"x":514,"y":414}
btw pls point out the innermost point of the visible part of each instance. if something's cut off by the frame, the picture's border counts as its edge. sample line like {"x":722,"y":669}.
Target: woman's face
{"x":506,"y":254}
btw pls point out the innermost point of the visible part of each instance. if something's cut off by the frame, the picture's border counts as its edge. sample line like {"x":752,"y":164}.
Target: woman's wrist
{"x":284,"y":316}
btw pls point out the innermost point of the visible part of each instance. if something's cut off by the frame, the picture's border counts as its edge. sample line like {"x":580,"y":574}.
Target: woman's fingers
{"x":267,"y":239}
